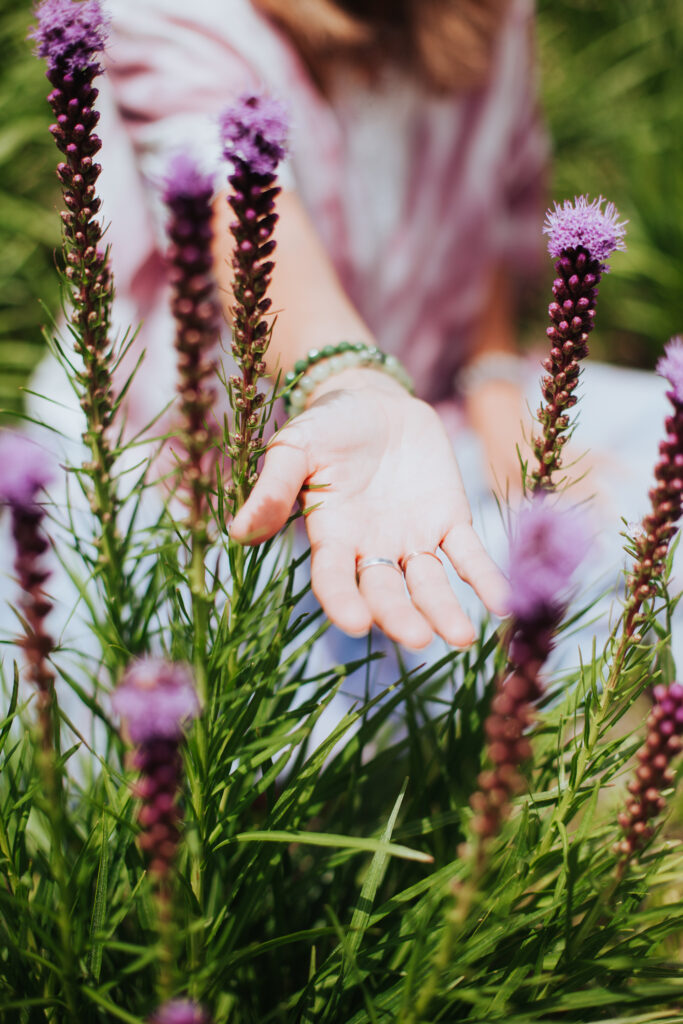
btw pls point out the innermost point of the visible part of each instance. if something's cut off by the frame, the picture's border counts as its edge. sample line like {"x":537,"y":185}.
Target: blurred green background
{"x":612,"y":90}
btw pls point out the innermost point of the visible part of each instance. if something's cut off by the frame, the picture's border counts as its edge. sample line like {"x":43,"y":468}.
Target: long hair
{"x":446,"y":44}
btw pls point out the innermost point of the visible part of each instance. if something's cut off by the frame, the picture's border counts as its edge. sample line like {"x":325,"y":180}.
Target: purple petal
{"x":547,"y":547}
{"x":68,"y":34}
{"x":254,"y":132}
{"x":155,"y":699}
{"x":585,"y":224}
{"x":670,"y":366}
{"x":179,"y":1011}
{"x":24,"y":470}
{"x":185,"y":180}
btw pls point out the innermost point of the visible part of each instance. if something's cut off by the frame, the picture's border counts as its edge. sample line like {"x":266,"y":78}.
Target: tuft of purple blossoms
{"x":581,"y":237}
{"x":156,"y":699}
{"x":662,"y":744}
{"x":253,"y":132}
{"x":179,"y":1011}
{"x":658,"y":527}
{"x":25,"y":469}
{"x":545,"y":550}
{"x":70,"y":35}
{"x":188,"y":194}
{"x":585,"y":225}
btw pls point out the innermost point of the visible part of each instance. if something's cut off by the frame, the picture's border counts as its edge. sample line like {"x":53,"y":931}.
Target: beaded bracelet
{"x":319,"y":364}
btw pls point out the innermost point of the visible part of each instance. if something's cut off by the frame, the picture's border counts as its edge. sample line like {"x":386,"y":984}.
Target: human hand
{"x":501,"y":419}
{"x":379,"y":479}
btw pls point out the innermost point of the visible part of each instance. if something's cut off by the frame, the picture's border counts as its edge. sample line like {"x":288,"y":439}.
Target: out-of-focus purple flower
{"x":254,"y":132}
{"x":155,"y":699}
{"x":670,"y":366}
{"x":24,"y":470}
{"x":70,"y":35}
{"x":185,"y":180}
{"x":584,"y":224}
{"x":546,"y":548}
{"x":179,"y":1011}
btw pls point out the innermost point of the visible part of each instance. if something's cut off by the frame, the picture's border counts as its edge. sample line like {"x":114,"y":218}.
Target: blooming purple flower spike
{"x":582,"y":236}
{"x":254,"y":133}
{"x":584,"y":224}
{"x":546,"y":549}
{"x":179,"y":1011}
{"x":25,"y":469}
{"x":156,"y":698}
{"x":70,"y":35}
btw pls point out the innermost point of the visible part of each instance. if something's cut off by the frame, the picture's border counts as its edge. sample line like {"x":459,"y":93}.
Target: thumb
{"x":267,"y":509}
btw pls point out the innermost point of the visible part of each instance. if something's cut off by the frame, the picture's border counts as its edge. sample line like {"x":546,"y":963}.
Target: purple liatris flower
{"x":70,"y":35}
{"x":546,"y":548}
{"x":253,"y":132}
{"x":25,"y":469}
{"x":663,"y":743}
{"x":581,"y":237}
{"x":188,"y":194}
{"x":179,"y":1011}
{"x":156,"y":699}
{"x":585,"y":225}
{"x":658,"y":527}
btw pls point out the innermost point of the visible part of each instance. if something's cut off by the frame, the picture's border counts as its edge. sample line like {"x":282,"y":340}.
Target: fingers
{"x":285,"y":469}
{"x":432,"y":594}
{"x":333,"y":579}
{"x":384,"y":591}
{"x":475,"y":566}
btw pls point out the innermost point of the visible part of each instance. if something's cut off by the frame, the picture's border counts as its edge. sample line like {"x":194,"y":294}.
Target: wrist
{"x":329,"y":363}
{"x":357,"y":378}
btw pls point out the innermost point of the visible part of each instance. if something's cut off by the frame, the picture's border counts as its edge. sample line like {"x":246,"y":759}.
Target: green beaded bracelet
{"x":322,"y":363}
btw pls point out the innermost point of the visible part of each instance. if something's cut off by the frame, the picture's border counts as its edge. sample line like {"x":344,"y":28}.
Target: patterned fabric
{"x":414,"y":196}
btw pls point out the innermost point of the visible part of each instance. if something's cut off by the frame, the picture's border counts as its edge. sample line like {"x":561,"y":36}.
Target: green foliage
{"x":29,"y":230}
{"x":613,"y":96}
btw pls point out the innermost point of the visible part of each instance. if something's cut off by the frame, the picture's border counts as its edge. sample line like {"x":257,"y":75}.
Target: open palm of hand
{"x":378,"y":479}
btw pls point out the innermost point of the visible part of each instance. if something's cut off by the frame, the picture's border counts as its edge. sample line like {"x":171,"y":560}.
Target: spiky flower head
{"x":670,"y":366}
{"x":185,"y":180}
{"x":155,"y":699}
{"x":179,"y":1011}
{"x":584,"y":224}
{"x":546,"y":548}
{"x":24,"y":470}
{"x":254,"y":132}
{"x":69,"y":35}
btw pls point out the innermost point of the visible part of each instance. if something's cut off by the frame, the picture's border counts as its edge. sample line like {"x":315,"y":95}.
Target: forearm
{"x":312,"y":308}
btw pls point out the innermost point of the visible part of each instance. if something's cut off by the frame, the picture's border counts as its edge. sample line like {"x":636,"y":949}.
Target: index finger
{"x":267,"y":509}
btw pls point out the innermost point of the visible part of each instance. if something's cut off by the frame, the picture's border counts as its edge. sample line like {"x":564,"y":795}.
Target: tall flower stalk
{"x":581,"y":237}
{"x":546,"y":549}
{"x":71,"y":37}
{"x":155,"y":700}
{"x":195,"y":306}
{"x":253,"y":132}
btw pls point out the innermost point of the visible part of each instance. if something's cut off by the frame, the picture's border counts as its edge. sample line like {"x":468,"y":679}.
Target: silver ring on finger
{"x":365,"y":563}
{"x":404,"y":559}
